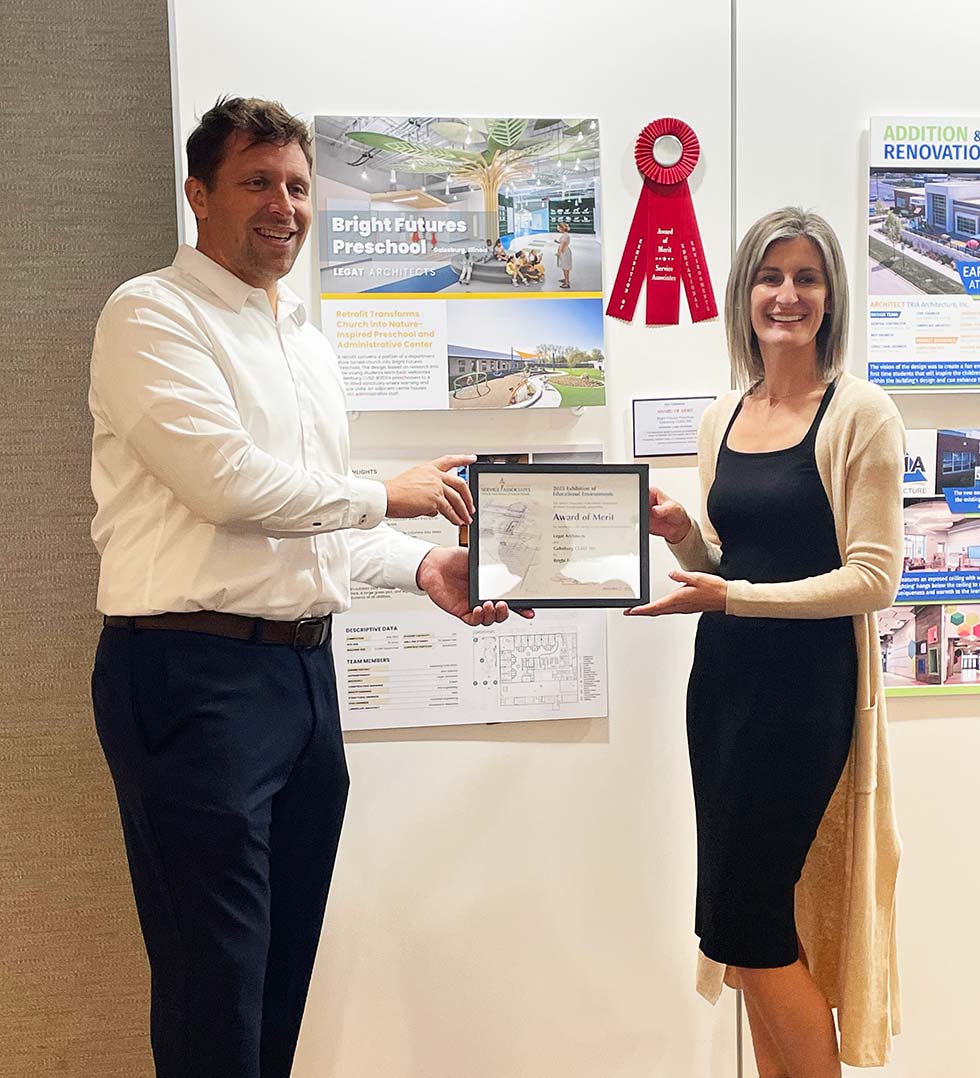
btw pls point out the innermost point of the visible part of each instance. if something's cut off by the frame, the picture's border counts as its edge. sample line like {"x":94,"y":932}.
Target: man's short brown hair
{"x":263,"y":121}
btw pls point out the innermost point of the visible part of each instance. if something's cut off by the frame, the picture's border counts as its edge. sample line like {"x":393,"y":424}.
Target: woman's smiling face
{"x":789,"y":295}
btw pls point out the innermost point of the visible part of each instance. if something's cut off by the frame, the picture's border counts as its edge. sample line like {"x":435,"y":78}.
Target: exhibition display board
{"x":460,"y":261}
{"x":924,"y":253}
{"x":930,"y":638}
{"x":401,"y":662}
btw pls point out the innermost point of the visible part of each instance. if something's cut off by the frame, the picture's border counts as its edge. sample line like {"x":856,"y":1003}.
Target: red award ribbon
{"x":664,"y":244}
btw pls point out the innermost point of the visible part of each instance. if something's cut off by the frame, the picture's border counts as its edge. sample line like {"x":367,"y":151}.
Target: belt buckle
{"x":311,"y":632}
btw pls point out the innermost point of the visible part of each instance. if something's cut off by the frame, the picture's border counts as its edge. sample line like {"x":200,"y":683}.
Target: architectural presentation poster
{"x":924,"y":253}
{"x":930,"y":639}
{"x":402,"y":662}
{"x":459,"y":260}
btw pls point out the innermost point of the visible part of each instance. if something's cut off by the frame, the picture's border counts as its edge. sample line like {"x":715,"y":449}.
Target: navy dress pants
{"x":229,"y":770}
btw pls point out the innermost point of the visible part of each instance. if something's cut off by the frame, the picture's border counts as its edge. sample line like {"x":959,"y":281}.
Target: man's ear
{"x":197,"y":196}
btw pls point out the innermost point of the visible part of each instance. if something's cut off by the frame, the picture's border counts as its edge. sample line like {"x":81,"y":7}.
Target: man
{"x":229,"y":527}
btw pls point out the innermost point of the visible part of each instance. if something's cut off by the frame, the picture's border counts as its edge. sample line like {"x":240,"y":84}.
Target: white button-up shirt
{"x":220,"y":456}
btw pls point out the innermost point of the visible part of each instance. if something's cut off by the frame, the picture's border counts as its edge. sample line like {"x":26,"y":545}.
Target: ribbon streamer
{"x":664,"y":245}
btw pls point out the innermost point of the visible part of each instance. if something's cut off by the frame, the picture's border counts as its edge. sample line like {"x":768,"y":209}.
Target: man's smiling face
{"x":254,"y":218}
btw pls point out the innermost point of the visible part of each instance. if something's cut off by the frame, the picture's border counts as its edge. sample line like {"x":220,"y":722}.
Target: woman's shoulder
{"x":857,"y":401}
{"x":716,"y":416}
{"x":721,"y":408}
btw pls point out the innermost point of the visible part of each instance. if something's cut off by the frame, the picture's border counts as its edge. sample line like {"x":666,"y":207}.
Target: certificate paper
{"x":560,"y":535}
{"x":667,"y":426}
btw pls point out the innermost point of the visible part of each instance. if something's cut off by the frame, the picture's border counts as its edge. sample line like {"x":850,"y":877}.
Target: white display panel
{"x":476,"y":860}
{"x":401,"y":662}
{"x":840,"y":70}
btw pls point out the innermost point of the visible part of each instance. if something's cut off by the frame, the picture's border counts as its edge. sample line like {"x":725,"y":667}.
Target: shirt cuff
{"x":403,"y":560}
{"x":368,"y":503}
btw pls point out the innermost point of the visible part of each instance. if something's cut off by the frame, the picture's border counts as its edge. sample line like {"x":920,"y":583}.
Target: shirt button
{"x":363,"y":518}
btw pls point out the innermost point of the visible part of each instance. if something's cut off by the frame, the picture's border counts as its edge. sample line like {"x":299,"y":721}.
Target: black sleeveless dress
{"x":770,"y":706}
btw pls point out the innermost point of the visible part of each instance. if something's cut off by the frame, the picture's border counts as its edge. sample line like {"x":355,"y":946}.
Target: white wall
{"x":807,"y":84}
{"x":518,"y":900}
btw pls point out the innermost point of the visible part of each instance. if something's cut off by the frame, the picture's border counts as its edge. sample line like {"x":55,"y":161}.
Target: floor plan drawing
{"x":539,"y":668}
{"x":486,"y":673}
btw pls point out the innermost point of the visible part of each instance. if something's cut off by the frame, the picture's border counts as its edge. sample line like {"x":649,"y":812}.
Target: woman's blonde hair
{"x":743,"y":347}
{"x":563,"y":226}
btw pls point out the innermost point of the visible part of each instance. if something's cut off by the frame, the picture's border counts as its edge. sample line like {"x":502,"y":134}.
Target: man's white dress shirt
{"x":221,"y":456}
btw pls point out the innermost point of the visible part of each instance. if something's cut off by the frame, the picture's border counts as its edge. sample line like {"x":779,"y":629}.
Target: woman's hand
{"x":667,"y":517}
{"x":700,"y":591}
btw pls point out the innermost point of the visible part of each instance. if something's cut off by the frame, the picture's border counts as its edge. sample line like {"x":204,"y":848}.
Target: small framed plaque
{"x":667,"y":426}
{"x":560,"y":535}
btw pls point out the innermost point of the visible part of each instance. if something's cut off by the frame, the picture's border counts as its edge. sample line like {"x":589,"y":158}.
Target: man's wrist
{"x":422,"y":572}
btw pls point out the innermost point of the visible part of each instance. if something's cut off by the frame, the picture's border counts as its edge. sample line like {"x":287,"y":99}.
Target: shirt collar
{"x":231,"y":289}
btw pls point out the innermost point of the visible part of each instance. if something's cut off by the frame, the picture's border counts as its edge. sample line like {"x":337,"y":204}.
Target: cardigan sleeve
{"x":873,"y":544}
{"x":700,"y":550}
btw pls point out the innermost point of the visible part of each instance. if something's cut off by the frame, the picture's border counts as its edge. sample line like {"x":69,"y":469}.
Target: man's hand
{"x":429,"y":489}
{"x":667,"y":517}
{"x":700,"y":591}
{"x":443,"y":575}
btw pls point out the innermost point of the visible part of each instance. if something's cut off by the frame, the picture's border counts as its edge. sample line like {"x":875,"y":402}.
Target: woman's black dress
{"x":770,"y":706}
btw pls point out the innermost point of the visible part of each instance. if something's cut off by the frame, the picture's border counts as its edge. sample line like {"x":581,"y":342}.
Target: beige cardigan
{"x":845,"y":900}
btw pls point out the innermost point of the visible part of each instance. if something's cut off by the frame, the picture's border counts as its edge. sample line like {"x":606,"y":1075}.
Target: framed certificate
{"x":560,"y":535}
{"x":667,"y":426}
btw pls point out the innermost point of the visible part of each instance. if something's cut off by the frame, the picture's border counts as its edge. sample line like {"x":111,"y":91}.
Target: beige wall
{"x":88,"y":200}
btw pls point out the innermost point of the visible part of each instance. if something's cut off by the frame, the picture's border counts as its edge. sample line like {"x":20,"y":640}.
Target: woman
{"x":800,"y":542}
{"x":564,"y":242}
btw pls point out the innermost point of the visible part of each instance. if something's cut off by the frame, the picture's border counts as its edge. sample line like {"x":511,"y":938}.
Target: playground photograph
{"x":546,"y":353}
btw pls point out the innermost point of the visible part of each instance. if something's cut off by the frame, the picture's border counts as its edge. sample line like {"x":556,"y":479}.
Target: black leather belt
{"x":305,"y":633}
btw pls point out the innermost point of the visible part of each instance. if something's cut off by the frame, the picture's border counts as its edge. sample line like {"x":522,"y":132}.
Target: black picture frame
{"x":642,"y":473}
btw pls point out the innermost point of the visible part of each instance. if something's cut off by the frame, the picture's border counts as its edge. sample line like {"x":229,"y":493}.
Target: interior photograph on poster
{"x":401,"y":662}
{"x":930,"y":638}
{"x":460,"y":260}
{"x":924,"y":253}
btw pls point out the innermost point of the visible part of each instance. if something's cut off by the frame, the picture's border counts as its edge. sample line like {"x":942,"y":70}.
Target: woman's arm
{"x":873,"y":546}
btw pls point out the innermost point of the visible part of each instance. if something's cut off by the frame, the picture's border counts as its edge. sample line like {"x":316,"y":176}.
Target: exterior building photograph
{"x":519,"y":353}
{"x":957,"y":459}
{"x":920,"y":225}
{"x":953,"y":208}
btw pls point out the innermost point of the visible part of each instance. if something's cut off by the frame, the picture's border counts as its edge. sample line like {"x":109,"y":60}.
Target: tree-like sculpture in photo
{"x":513,"y":150}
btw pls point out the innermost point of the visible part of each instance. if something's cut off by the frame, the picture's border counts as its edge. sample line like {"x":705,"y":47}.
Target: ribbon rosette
{"x":664,"y":245}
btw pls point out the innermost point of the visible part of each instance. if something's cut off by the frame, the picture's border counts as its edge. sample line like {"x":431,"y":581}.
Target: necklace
{"x":770,"y":399}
